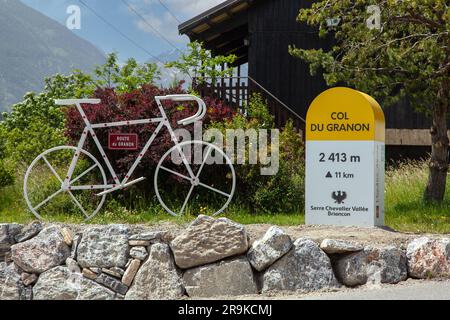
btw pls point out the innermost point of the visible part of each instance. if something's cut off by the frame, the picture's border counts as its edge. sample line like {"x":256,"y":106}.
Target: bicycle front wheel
{"x":49,"y":199}
{"x":202,"y":184}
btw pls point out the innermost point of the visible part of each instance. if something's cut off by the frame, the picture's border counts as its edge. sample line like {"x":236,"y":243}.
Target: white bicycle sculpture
{"x":85,"y":183}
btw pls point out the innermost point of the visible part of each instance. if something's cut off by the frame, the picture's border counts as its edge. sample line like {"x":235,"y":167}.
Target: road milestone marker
{"x":345,"y":156}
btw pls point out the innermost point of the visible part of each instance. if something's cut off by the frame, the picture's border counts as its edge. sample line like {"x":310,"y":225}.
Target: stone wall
{"x":210,"y":258}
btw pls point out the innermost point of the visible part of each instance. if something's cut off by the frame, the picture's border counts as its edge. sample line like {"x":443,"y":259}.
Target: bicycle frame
{"x":90,"y":129}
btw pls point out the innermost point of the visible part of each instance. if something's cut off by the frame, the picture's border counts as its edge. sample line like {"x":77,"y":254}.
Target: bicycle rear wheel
{"x":206,"y":186}
{"x":47,"y":197}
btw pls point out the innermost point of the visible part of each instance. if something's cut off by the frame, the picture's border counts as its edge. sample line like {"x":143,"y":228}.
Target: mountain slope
{"x":33,"y":46}
{"x":169,"y":75}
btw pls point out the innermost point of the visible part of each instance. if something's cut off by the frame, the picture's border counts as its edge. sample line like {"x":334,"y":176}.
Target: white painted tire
{"x":210,"y":145}
{"x":38,"y":158}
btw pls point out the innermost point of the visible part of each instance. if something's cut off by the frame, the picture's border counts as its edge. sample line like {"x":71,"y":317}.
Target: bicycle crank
{"x":120,"y":187}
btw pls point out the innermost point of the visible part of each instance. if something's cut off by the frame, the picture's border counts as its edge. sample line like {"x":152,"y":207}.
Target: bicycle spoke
{"x":48,"y":199}
{"x":83,"y":174}
{"x":175,"y":173}
{"x":78,"y":204}
{"x":187,"y":199}
{"x":52,"y":169}
{"x":204,"y":162}
{"x":213,"y":189}
{"x":186,"y":163}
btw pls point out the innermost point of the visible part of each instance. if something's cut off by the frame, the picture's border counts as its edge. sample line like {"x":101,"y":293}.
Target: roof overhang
{"x":222,"y":29}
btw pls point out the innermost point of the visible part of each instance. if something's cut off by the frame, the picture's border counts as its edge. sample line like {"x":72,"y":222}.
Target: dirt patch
{"x":365,"y":236}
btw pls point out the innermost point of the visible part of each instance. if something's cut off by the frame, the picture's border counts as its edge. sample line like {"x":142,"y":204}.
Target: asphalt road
{"x":410,"y":290}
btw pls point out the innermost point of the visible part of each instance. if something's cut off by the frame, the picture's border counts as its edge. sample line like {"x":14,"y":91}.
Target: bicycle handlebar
{"x":201,"y":112}
{"x":71,"y":102}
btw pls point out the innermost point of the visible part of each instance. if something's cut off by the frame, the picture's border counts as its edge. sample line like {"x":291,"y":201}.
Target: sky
{"x":116,"y":12}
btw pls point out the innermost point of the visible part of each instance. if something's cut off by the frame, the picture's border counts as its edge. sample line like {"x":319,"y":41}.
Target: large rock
{"x":208,"y":240}
{"x":8,"y":232}
{"x":158,"y":278}
{"x":272,"y":246}
{"x":104,"y":247}
{"x":7,"y":235}
{"x":428,"y":258}
{"x":305,"y":267}
{"x":379,"y":265}
{"x":41,"y":253}
{"x":11,"y":287}
{"x":332,"y":246}
{"x":29,"y":231}
{"x":230,"y":277}
{"x":61,"y":284}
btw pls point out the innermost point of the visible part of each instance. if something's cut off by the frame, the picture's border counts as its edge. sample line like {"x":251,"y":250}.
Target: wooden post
{"x":222,"y":84}
{"x":244,"y":98}
{"x":238,"y":89}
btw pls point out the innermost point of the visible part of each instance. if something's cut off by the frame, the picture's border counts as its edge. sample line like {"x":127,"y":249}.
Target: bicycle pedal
{"x":120,"y":187}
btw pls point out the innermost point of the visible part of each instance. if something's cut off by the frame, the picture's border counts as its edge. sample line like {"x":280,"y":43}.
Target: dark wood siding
{"x":272,"y":28}
{"x":403,"y":116}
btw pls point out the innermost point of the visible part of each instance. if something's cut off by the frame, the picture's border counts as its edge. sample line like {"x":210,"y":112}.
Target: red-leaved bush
{"x":139,"y":104}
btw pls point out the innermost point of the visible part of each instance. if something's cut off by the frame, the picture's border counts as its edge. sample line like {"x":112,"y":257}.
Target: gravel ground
{"x":406,"y":290}
{"x":366,"y":236}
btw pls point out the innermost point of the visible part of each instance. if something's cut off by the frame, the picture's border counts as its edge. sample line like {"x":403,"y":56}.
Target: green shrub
{"x":6,"y":175}
{"x":3,"y":136}
{"x":22,"y":145}
{"x":282,"y":192}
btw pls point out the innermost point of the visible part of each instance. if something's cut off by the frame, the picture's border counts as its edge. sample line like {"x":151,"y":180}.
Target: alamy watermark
{"x":73,"y":21}
{"x":374,"y":20}
{"x":242,"y":147}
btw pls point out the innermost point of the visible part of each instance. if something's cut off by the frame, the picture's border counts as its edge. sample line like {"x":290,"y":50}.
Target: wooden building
{"x":259,"y":33}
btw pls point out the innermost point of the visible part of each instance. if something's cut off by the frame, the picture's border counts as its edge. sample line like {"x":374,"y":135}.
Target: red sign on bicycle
{"x":123,"y":141}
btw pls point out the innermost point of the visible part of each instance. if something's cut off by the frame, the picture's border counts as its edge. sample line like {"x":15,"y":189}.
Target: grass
{"x":13,"y":209}
{"x":405,"y":209}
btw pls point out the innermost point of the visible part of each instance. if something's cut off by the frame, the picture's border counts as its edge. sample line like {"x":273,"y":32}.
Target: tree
{"x":200,"y":64}
{"x":408,"y":55}
{"x":106,"y":72}
{"x":126,"y":78}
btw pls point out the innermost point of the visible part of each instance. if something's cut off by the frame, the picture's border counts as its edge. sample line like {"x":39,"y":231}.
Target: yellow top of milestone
{"x":345,"y":114}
